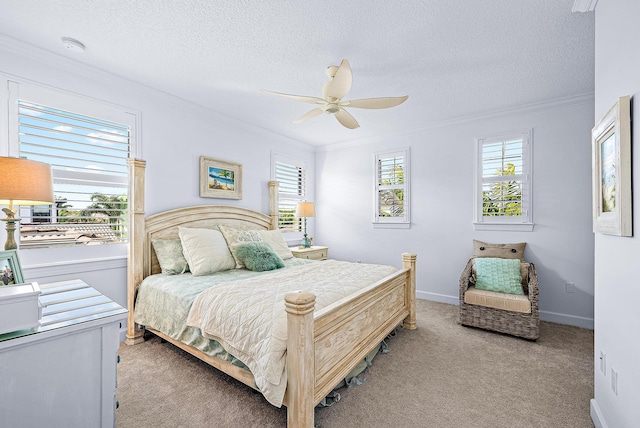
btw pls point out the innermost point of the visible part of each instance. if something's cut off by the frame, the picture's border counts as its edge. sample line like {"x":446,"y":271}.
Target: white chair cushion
{"x":492,"y":299}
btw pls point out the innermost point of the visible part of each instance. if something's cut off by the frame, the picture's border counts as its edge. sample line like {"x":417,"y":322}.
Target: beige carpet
{"x":441,"y":375}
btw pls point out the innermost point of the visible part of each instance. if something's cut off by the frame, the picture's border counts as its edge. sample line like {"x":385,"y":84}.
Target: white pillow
{"x":277,"y":242}
{"x":206,"y":251}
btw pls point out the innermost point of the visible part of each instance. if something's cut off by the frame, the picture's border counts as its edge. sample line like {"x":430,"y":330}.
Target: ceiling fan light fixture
{"x":331,"y":108}
{"x":333,"y":93}
{"x":72,"y":45}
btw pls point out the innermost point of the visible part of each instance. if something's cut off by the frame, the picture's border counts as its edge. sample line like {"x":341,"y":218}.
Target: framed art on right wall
{"x":611,"y":169}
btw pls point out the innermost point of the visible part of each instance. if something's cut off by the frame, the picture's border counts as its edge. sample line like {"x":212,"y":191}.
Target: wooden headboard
{"x":142,"y":260}
{"x":165,"y":225}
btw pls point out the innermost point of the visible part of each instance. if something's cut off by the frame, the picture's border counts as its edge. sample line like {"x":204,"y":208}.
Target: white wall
{"x":174,"y":133}
{"x":442,"y":177}
{"x":616,"y":259}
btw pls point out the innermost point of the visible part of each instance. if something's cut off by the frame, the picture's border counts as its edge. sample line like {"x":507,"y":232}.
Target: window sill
{"x":391,"y":225}
{"x":506,"y":227}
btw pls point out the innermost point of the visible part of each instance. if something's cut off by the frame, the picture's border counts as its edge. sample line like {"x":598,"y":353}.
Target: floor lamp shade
{"x":23,"y":182}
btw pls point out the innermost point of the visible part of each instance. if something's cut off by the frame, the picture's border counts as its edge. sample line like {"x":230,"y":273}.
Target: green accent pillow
{"x":501,"y":275}
{"x":170,"y":256}
{"x":258,"y":256}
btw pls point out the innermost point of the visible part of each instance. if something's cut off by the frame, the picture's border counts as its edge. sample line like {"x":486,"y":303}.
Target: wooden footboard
{"x":323,"y":347}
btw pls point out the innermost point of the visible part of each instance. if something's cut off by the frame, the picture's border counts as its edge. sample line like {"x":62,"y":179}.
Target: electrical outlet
{"x":569,"y":287}
{"x":603,"y":363}
{"x":614,"y":381}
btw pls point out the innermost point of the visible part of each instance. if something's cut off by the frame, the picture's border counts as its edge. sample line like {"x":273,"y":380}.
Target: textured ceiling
{"x":454,"y":58}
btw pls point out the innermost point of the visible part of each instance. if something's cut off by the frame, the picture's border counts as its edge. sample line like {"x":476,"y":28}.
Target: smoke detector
{"x":72,"y":45}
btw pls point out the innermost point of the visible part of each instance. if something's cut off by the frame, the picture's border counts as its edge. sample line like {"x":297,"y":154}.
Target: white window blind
{"x":88,"y":157}
{"x":392,"y":187}
{"x":503,"y":191}
{"x":291,"y":190}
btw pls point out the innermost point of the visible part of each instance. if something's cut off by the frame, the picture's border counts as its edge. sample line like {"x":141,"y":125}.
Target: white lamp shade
{"x":25,"y":182}
{"x":305,"y":209}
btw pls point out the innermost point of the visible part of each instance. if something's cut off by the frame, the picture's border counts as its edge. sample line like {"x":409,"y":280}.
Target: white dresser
{"x":63,"y":374}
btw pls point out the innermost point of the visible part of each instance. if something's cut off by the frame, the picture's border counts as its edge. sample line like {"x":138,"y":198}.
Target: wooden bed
{"x":322,"y":346}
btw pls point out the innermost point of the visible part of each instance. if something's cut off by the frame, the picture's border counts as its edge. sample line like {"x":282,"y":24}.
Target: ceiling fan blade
{"x":313,"y":113}
{"x":304,"y":99}
{"x":345,"y":118}
{"x":340,"y":84}
{"x":374,"y":103}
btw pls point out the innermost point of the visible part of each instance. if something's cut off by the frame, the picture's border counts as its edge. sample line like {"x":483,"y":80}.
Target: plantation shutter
{"x":88,"y":157}
{"x":291,"y":190}
{"x":502,"y":178}
{"x":392,"y":190}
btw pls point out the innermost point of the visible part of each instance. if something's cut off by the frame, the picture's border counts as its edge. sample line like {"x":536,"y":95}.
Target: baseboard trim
{"x":574,"y":320}
{"x":555,"y":317}
{"x":435,"y":297}
{"x":596,"y":414}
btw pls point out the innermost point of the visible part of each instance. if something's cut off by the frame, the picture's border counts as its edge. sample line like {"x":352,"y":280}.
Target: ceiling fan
{"x":332,"y":93}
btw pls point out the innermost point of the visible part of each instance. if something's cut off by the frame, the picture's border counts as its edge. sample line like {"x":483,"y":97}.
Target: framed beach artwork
{"x":10,"y":270}
{"x":611,"y":169}
{"x":220,"y":179}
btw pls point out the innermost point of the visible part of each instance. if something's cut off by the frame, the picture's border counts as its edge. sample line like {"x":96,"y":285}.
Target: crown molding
{"x":584,"y":5}
{"x":587,"y":98}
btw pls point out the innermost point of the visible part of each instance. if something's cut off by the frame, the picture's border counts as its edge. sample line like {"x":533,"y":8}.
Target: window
{"x":88,"y":158}
{"x":88,"y":143}
{"x":392,"y":189}
{"x":291,"y":174}
{"x":503,"y":182}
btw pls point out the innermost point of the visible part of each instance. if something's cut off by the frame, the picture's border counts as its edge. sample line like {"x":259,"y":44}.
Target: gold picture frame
{"x":220,"y":179}
{"x":611,"y":171}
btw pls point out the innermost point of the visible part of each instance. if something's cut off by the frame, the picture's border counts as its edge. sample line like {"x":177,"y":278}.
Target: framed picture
{"x":10,"y":270}
{"x":220,"y":179}
{"x":611,"y":165}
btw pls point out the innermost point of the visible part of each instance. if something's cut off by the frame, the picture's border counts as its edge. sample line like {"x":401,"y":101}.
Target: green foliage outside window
{"x":504,"y":198}
{"x":392,"y":200}
{"x":287,"y":220}
{"x":104,"y":209}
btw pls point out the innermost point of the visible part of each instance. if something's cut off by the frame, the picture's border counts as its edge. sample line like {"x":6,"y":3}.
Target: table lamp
{"x":304,"y":210}
{"x":23,"y":182}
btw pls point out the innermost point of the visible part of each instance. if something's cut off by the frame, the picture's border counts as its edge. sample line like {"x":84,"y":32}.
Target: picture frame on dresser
{"x":10,"y":269}
{"x":611,"y":170}
{"x":220,"y":179}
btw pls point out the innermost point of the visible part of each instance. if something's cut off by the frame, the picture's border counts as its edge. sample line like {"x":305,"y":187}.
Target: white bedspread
{"x":248,"y":317}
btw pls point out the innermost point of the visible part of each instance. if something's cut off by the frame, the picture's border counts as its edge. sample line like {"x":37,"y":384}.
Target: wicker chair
{"x":526,"y":325}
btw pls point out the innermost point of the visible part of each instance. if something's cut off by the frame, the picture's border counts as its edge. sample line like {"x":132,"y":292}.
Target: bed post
{"x":136,"y":242}
{"x":300,"y":359}
{"x":273,"y":203}
{"x":409,"y":262}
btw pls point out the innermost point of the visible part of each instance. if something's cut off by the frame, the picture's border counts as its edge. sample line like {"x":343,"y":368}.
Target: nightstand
{"x":315,"y":252}
{"x":63,"y":373}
